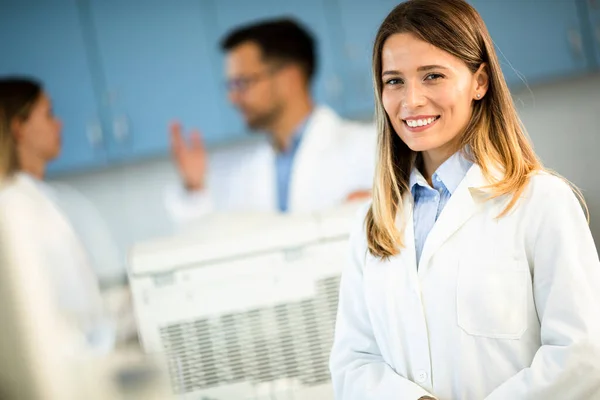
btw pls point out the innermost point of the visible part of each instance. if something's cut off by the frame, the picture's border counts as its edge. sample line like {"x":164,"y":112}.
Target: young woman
{"x":473,"y":273}
{"x":30,"y":139}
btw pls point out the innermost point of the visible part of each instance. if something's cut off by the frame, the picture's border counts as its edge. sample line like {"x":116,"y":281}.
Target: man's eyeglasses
{"x":243,"y":83}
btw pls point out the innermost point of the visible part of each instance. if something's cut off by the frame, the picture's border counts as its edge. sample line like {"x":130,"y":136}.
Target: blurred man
{"x":311,"y":158}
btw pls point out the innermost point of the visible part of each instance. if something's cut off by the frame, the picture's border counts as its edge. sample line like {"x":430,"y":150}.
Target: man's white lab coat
{"x":335,"y":158}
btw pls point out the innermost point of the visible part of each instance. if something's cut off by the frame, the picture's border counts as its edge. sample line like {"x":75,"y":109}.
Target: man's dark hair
{"x":282,"y":40}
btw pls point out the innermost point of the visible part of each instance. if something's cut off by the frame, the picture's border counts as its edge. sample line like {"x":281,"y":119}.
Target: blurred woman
{"x":473,"y":272}
{"x":29,"y":140}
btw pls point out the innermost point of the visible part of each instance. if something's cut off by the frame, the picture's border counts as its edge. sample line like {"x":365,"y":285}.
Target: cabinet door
{"x":157,"y":68}
{"x":591,"y":9}
{"x":358,"y":21}
{"x":230,"y":14}
{"x":44,"y":40}
{"x":535,"y":40}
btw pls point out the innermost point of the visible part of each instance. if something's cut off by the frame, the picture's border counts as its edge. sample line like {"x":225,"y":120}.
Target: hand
{"x":190,"y":158}
{"x":359,"y":195}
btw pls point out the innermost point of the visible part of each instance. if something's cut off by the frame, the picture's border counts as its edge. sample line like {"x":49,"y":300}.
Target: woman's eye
{"x":432,"y":77}
{"x":393,"y":81}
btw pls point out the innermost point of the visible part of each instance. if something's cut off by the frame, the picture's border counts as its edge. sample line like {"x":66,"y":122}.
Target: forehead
{"x":405,"y":52}
{"x":243,"y":59}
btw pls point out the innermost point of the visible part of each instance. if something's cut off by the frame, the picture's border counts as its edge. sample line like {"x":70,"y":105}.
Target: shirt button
{"x":421,"y":376}
{"x":437,"y":178}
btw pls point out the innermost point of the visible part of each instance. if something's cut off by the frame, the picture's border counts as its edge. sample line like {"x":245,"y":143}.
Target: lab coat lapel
{"x":401,"y":271}
{"x":268,"y":185}
{"x":320,"y":131}
{"x":463,"y":204}
{"x":406,"y":225}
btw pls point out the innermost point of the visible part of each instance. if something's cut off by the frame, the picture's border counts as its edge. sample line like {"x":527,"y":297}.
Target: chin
{"x":53,"y":156}
{"x":418,"y":145}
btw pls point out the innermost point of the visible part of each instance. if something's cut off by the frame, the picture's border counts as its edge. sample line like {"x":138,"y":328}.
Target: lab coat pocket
{"x":491,"y":298}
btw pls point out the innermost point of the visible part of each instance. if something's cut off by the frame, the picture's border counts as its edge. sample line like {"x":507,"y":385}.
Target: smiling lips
{"x":420,"y":122}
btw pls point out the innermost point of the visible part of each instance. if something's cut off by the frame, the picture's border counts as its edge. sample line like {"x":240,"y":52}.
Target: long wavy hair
{"x":495,"y":136}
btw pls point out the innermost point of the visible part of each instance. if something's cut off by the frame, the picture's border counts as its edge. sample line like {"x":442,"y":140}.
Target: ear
{"x":292,"y":78}
{"x":16,"y":127}
{"x":481,"y":79}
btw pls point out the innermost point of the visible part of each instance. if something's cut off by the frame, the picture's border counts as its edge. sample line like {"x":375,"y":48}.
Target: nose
{"x":414,"y":96}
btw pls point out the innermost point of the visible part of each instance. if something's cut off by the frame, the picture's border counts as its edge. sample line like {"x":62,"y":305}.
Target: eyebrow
{"x":430,"y":67}
{"x":423,"y":68}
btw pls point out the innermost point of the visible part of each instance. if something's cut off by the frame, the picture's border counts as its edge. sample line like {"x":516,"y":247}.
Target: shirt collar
{"x":297,"y":135}
{"x":450,"y":173}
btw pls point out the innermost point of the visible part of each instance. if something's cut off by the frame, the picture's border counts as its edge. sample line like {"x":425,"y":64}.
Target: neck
{"x":33,"y":166}
{"x":285,"y":127}
{"x":432,"y":161}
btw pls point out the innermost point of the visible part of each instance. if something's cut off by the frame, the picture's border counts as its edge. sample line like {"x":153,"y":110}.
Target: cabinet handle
{"x":597,"y":34}
{"x":121,"y":128}
{"x":333,"y":87}
{"x":576,"y":42}
{"x":94,"y":134}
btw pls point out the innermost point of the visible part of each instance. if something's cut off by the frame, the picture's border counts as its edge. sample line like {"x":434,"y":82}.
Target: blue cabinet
{"x":120,"y":71}
{"x":591,"y":8}
{"x":535,"y":40}
{"x":156,"y":67}
{"x":354,"y":24}
{"x":46,"y":41}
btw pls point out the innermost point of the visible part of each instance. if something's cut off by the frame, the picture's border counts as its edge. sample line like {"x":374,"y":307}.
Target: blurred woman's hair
{"x":18,"y":95}
{"x":8,"y":149}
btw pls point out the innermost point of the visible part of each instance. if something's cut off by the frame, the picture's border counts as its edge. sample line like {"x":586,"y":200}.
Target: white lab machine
{"x":244,"y":306}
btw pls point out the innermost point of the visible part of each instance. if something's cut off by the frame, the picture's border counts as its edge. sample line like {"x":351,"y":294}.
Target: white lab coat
{"x":90,"y":228}
{"x":50,"y":236}
{"x":335,"y":158}
{"x":498,"y":309}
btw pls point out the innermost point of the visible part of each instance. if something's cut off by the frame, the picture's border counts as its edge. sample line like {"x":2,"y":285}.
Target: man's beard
{"x":264,"y":121}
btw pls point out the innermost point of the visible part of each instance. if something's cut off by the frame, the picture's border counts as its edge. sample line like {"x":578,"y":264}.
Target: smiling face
{"x":427,"y":94}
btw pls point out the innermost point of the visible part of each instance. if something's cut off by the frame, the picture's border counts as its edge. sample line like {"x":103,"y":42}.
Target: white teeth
{"x":413,"y":123}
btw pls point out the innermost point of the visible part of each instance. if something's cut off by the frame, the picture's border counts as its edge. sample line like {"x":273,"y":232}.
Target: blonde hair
{"x":8,"y":149}
{"x":495,"y":136}
{"x":18,"y":96}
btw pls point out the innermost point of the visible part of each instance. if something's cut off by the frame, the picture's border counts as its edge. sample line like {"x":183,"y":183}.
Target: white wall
{"x":563,"y":119}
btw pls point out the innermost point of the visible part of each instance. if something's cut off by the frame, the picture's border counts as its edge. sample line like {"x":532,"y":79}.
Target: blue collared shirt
{"x":284,"y":162}
{"x":430,"y":201}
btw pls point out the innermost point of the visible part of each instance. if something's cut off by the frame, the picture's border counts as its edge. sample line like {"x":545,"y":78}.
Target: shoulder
{"x":236,"y":156}
{"x":356,"y":137}
{"x":358,"y":233}
{"x":547,"y":189}
{"x":21,"y":201}
{"x":550,"y":199}
{"x":16,"y":190}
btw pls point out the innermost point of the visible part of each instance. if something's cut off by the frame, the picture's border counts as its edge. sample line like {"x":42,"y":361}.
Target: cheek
{"x":456,"y":104}
{"x":390,"y":102}
{"x":258,"y":97}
